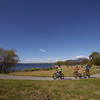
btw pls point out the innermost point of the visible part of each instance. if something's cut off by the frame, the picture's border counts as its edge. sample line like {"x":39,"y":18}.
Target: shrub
{"x":48,"y":68}
{"x":34,"y":69}
{"x":25,"y":70}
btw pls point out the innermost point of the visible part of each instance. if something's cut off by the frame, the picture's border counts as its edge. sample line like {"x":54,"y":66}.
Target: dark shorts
{"x":60,"y":72}
{"x":87,"y":70}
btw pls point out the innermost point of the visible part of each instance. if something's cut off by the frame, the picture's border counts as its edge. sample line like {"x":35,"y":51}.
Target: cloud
{"x":55,"y":59}
{"x":76,"y":57}
{"x":48,"y":60}
{"x":42,"y":50}
{"x":40,"y":60}
{"x":31,"y":60}
{"x":81,"y":57}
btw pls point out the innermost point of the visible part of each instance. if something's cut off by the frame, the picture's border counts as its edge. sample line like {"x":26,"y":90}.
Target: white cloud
{"x":81,"y":57}
{"x":56,"y":59}
{"x":74,"y":58}
{"x":48,"y":60}
{"x":38,"y":60}
{"x":33,"y":60}
{"x":42,"y":50}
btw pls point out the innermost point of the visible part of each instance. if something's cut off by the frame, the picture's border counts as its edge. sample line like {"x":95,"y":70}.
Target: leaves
{"x":8,"y":59}
{"x":94,"y":58}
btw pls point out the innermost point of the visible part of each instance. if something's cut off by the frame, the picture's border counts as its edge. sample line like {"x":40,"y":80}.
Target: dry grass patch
{"x":67,"y":70}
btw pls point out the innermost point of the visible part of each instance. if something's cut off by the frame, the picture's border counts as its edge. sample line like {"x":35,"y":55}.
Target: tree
{"x":97,"y":61}
{"x":84,"y":61}
{"x":1,"y":55}
{"x":90,"y":63}
{"x":93,"y":55}
{"x":94,"y":58}
{"x":8,"y":59}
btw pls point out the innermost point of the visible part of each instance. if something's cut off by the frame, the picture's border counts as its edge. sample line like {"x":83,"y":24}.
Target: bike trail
{"x":3,"y":76}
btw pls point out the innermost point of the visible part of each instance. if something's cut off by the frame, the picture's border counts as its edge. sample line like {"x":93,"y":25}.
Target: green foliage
{"x":84,"y":61}
{"x":97,"y":61}
{"x":8,"y":59}
{"x":93,"y":55}
{"x":48,"y":68}
{"x":25,"y":70}
{"x":34,"y":69}
{"x":90,"y":63}
{"x":94,"y":58}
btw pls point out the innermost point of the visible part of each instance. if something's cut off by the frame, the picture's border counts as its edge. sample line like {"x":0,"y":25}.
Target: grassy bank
{"x":50,"y":90}
{"x":67,"y":70}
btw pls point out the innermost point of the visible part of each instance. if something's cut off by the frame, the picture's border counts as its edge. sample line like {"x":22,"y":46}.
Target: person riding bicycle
{"x":76,"y":72}
{"x":59,"y":69}
{"x":86,"y":71}
{"x":87,"y":68}
{"x":58,"y":73}
{"x":76,"y":68}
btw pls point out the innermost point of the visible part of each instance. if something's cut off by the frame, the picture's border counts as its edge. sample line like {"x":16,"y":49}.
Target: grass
{"x":67,"y":70}
{"x":50,"y":90}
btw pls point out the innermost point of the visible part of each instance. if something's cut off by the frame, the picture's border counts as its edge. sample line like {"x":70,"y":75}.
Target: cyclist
{"x":76,"y":70}
{"x":59,"y":69}
{"x":87,"y":68}
{"x":86,"y":71}
{"x":58,"y":73}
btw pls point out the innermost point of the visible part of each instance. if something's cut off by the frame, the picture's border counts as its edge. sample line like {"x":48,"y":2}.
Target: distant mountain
{"x":80,"y":59}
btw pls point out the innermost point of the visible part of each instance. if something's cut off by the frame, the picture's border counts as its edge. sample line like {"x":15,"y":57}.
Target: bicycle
{"x":58,"y":75}
{"x":86,"y":74}
{"x":76,"y":74}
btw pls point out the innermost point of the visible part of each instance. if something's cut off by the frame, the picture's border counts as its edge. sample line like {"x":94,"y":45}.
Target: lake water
{"x":20,"y":67}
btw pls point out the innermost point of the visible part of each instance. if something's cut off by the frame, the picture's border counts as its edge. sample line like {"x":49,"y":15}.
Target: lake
{"x":22,"y":66}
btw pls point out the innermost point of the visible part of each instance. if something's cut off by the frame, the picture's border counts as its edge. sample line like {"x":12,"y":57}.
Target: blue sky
{"x":50,"y":30}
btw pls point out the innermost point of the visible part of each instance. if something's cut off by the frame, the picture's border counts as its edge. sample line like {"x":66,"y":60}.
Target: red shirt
{"x":76,"y":68}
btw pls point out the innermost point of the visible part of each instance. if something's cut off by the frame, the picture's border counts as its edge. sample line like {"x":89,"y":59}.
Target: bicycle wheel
{"x":84,"y":75}
{"x":54,"y":76}
{"x":88,"y":74}
{"x":74,"y":75}
{"x":80,"y":76}
{"x":62,"y":76}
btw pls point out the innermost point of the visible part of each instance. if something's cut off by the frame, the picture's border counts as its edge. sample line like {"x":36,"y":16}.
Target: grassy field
{"x":50,"y":90}
{"x":67,"y":70}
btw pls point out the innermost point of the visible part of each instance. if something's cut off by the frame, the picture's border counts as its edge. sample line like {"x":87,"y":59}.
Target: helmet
{"x":59,"y":65}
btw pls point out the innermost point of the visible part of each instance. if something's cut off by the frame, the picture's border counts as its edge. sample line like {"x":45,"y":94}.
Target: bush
{"x":34,"y":69}
{"x":48,"y":68}
{"x":25,"y":70}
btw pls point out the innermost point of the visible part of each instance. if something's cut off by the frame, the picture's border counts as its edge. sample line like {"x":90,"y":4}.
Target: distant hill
{"x":78,"y":59}
{"x":81,"y":60}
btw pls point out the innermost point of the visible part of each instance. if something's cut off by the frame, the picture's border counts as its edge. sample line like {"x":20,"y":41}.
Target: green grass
{"x":50,"y":90}
{"x":67,"y":70}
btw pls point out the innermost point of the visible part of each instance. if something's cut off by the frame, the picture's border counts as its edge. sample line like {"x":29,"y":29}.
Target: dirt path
{"x":2,"y":76}
{"x":24,"y":77}
{"x":96,"y":75}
